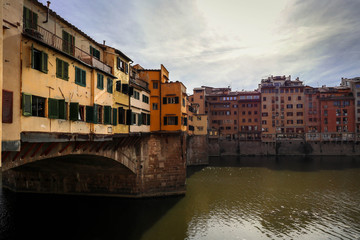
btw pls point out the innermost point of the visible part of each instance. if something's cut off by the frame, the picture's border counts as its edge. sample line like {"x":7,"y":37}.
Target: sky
{"x":223,"y":43}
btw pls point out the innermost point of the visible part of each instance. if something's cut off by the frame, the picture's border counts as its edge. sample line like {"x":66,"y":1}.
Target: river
{"x":232,"y":198}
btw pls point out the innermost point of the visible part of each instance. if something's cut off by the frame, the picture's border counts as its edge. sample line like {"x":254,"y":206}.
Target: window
{"x":299,"y":106}
{"x":299,"y":97}
{"x":264,"y":106}
{"x":77,"y":112}
{"x":30,"y":19}
{"x":114,"y":114}
{"x":289,"y":114}
{"x":289,"y":121}
{"x":170,"y":120}
{"x":136,"y":95}
{"x":299,"y":121}
{"x":156,"y":85}
{"x":80,"y":77}
{"x":133,"y":118}
{"x":325,"y":121}
{"x":100,"y":81}
{"x":7,"y":106}
{"x":183,"y":102}
{"x":33,"y":105}
{"x":170,"y":100}
{"x":98,"y":113}
{"x":155,"y":106}
{"x":344,"y":112}
{"x":62,"y":69}
{"x":107,"y":114}
{"x":125,"y":88}
{"x":122,"y":66}
{"x":264,"y":98}
{"x":118,"y":86}
{"x":109,"y":85}
{"x":39,"y":60}
{"x":289,"y":98}
{"x":121,"y":112}
{"x":299,"y":114}
{"x":94,"y":52}
{"x":57,"y":108}
{"x":289,"y":106}
{"x":68,"y":43}
{"x":264,"y":114}
{"x":346,"y":103}
{"x":337,"y":103}
{"x":145,"y":99}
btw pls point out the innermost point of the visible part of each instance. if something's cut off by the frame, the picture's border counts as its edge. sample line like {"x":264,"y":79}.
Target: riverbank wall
{"x":296,"y":147}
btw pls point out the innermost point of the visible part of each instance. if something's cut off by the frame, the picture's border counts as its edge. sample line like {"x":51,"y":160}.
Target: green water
{"x":232,"y":198}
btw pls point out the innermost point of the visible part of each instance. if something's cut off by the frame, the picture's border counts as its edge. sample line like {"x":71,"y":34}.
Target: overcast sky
{"x":224,"y":43}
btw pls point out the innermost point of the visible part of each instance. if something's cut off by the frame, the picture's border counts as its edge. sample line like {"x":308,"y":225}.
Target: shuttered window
{"x":118,"y":86}
{"x":148,"y":119}
{"x":80,"y":76}
{"x":170,"y":120}
{"x":39,"y":60}
{"x":128,"y":116}
{"x":94,"y":52}
{"x":109,"y":85}
{"x":107,"y":114}
{"x":74,"y":111}
{"x":100,"y":81}
{"x":121,"y":115}
{"x":30,"y":19}
{"x":139,"y":123}
{"x":114,"y":120}
{"x":125,"y":88}
{"x":53,"y":108}
{"x":26,"y":104}
{"x":62,"y":69}
{"x":68,"y":43}
{"x":7,"y":106}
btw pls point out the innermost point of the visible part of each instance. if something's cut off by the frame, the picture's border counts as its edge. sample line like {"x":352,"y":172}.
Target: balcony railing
{"x":57,"y":42}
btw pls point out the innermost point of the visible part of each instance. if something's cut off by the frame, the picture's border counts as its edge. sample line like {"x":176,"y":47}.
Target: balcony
{"x":41,"y":34}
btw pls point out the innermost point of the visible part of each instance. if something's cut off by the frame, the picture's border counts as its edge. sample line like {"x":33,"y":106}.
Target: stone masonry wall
{"x":197,"y":150}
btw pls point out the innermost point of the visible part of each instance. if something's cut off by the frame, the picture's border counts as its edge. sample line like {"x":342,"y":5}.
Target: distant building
{"x":282,"y":110}
{"x":312,"y":114}
{"x":354,"y":84}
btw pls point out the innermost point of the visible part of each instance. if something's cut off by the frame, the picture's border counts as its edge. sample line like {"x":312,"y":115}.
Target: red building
{"x":312,"y":114}
{"x":337,"y":114}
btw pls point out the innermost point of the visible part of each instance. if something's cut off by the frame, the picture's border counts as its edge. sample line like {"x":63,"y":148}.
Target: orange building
{"x":337,"y":113}
{"x":167,"y":100}
{"x":282,"y":115}
{"x":312,"y":114}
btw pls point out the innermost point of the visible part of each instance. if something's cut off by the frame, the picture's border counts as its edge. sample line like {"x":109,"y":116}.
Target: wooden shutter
{"x":125,"y":88}
{"x":165,"y":120}
{"x":7,"y":106}
{"x":139,"y":119}
{"x":176,"y":99}
{"x":83,"y":77}
{"x":66,"y":70}
{"x":109,"y":85}
{"x":90,"y":114}
{"x":107,"y":115}
{"x":26,"y":17}
{"x":34,"y":20}
{"x":126,"y":68}
{"x":32,"y":56}
{"x":62,"y":109}
{"x":128,"y":116}
{"x":114,"y":120}
{"x":95,"y":113}
{"x":27,"y":104}
{"x":164,"y":100}
{"x":58,"y":68}
{"x":44,"y":62}
{"x":74,"y":111}
{"x":53,"y":108}
{"x":77,"y":75}
{"x":65,"y":41}
{"x":118,"y":63}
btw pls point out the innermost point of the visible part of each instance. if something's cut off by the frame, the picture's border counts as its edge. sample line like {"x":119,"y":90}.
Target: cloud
{"x":213,"y":43}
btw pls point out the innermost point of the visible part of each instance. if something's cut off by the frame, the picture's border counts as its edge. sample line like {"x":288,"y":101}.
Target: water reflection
{"x":233,"y":198}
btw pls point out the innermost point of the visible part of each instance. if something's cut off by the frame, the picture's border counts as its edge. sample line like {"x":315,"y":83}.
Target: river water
{"x":232,"y":198}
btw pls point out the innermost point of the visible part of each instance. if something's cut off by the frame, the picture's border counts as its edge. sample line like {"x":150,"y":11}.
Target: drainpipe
{"x":160,"y":98}
{"x":47,"y":14}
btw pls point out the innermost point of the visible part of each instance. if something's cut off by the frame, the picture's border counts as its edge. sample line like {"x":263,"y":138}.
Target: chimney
{"x":47,"y":14}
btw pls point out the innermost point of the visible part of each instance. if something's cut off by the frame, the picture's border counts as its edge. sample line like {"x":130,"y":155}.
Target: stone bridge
{"x":127,"y":166}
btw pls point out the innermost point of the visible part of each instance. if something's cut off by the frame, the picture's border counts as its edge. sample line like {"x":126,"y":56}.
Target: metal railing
{"x":57,"y":42}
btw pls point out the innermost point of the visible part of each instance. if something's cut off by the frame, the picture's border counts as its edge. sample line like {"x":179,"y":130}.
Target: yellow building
{"x":57,"y":81}
{"x":167,"y":100}
{"x":139,"y":104}
{"x":120,"y":64}
{"x":200,"y":122}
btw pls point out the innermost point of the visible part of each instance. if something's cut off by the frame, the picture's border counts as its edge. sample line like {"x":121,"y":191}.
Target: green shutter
{"x":44,"y":62}
{"x":95,"y":112}
{"x":114,"y":122}
{"x":91,"y":51}
{"x":58,"y":68}
{"x":109,"y":85}
{"x":53,"y":108}
{"x":26,"y":104}
{"x":77,"y":75}
{"x":65,"y":41}
{"x":72,"y":44}
{"x":62,"y":109}
{"x":34,"y":20}
{"x":89,"y":114}
{"x":107,"y":115}
{"x":83,"y":77}
{"x":26,"y":17}
{"x":139,"y":119}
{"x":74,"y":111}
{"x":66,"y":70}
